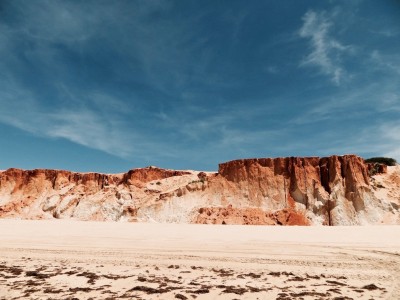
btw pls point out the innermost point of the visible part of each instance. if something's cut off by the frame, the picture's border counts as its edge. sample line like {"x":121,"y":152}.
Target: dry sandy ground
{"x":91,"y":260}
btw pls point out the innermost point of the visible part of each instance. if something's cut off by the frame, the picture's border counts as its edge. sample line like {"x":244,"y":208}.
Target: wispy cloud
{"x":391,"y":132}
{"x":336,"y":106}
{"x":87,"y":128}
{"x":236,"y":18}
{"x":385,"y":62}
{"x":77,"y":123}
{"x":272,"y":69}
{"x":380,"y":140}
{"x":326,"y":51}
{"x":389,"y":32}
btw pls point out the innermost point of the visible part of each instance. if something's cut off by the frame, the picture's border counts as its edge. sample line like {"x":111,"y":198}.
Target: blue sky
{"x":112,"y":85}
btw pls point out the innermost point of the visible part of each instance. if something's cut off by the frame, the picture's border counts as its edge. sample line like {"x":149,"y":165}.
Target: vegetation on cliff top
{"x":382,"y":160}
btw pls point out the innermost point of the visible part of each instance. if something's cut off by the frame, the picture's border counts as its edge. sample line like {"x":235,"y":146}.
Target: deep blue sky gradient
{"x":112,"y":85}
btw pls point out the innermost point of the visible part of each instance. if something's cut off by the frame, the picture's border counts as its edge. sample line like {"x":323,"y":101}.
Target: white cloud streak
{"x":383,"y":140}
{"x":386,"y":62}
{"x":325,"y":50}
{"x":77,"y":124}
{"x":391,"y":131}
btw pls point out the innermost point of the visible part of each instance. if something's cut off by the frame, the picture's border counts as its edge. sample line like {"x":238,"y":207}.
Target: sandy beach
{"x":64,"y":259}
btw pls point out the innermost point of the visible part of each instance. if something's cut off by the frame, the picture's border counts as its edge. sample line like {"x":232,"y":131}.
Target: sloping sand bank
{"x":69,"y":259}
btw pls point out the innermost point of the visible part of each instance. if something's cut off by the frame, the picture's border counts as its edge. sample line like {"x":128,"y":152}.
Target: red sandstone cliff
{"x":329,"y":190}
{"x":333,"y":190}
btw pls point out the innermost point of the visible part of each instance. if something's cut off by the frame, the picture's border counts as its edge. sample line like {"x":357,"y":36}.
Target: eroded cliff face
{"x":335,"y":190}
{"x":37,"y":194}
{"x":331,"y":190}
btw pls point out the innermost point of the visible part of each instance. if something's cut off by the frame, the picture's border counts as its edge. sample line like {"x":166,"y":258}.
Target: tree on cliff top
{"x":382,"y":160}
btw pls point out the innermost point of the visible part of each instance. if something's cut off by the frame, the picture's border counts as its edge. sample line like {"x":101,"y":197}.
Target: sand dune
{"x":82,"y":260}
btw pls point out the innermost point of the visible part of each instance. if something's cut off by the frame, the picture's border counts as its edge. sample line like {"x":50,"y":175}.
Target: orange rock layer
{"x":249,"y":216}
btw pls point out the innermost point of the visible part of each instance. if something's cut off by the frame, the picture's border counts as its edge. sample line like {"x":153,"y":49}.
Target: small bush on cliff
{"x":382,"y":160}
{"x":202,"y":180}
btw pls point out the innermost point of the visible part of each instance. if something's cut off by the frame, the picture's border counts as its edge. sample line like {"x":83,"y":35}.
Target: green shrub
{"x":382,"y":160}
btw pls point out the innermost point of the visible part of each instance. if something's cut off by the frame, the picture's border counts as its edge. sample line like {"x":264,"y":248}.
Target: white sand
{"x":209,"y":262}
